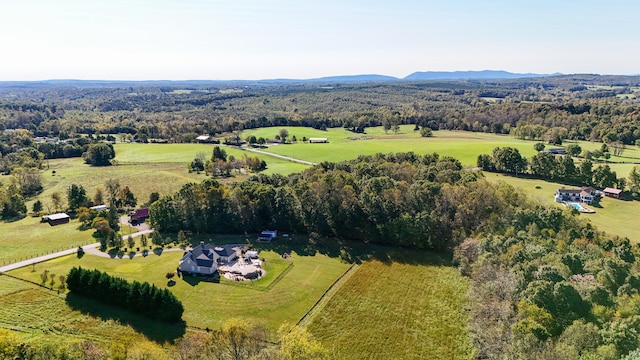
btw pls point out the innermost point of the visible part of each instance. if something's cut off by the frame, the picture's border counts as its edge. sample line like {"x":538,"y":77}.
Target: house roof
{"x":585,"y":194}
{"x":203,"y":137}
{"x":57,"y":216}
{"x":570,"y":191}
{"x":203,"y":255}
{"x":224,"y":251}
{"x":612,"y":191}
{"x":139,"y":213}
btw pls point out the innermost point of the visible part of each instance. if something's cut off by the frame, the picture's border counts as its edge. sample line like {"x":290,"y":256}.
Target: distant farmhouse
{"x":584,"y":195}
{"x":56,"y":219}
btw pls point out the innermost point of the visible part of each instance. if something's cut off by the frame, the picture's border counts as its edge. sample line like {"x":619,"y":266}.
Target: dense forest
{"x":587,"y":107}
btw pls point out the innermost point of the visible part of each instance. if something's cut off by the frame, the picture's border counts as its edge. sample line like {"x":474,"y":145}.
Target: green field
{"x":614,"y":216}
{"x":29,"y":238}
{"x":462,"y":145}
{"x":289,"y":290}
{"x":412,"y":309}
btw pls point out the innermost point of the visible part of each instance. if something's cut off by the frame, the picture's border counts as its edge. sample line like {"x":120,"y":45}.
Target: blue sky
{"x":265,"y":39}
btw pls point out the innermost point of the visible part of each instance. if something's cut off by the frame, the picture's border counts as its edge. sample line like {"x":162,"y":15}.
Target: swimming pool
{"x":580,"y":207}
{"x":576,"y":206}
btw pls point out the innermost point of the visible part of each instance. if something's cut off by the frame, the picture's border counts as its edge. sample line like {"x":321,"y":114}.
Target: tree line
{"x":548,"y":166}
{"x":400,"y":199}
{"x":141,"y":298}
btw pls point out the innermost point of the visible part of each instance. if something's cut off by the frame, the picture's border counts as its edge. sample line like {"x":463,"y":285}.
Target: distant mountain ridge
{"x":471,"y":75}
{"x":361,"y":78}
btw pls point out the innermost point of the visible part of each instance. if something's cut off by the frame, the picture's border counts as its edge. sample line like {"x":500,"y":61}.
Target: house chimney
{"x":202,"y":243}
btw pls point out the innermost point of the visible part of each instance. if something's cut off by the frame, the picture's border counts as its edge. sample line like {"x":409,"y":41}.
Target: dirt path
{"x":274,"y":155}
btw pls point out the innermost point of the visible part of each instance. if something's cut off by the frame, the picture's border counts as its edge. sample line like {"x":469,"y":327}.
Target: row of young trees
{"x":141,"y":298}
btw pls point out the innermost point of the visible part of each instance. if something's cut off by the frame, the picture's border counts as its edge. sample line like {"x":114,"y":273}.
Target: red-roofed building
{"x":140,"y":215}
{"x":611,"y":192}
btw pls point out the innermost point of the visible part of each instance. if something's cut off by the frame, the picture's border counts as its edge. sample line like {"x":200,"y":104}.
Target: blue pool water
{"x":576,"y":206}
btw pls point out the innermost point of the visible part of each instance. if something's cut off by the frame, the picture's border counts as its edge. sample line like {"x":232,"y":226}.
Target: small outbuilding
{"x":267,"y":235}
{"x":556,"y":151}
{"x":99,"y":207}
{"x":611,"y":192}
{"x":203,"y":139}
{"x":318,"y":140}
{"x":56,"y":219}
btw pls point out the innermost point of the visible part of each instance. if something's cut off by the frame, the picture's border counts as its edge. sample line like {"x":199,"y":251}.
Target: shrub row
{"x":141,"y":298}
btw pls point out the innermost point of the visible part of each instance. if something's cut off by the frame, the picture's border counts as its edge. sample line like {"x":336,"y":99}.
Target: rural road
{"x":275,"y":155}
{"x":90,"y":249}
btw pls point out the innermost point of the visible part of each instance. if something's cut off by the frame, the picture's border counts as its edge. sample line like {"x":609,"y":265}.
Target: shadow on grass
{"x":195,"y":280}
{"x":158,"y":331}
{"x":354,"y":252}
{"x":346,"y":250}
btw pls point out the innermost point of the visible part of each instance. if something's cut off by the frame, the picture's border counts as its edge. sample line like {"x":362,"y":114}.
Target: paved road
{"x":274,"y":155}
{"x":91,"y":248}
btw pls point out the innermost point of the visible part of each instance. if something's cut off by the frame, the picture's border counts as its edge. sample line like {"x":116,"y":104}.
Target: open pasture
{"x":462,"y":145}
{"x":345,"y":145}
{"x":29,"y":238}
{"x":413,"y":308}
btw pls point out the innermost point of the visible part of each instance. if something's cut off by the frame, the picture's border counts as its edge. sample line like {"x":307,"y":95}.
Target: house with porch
{"x":585,"y":195}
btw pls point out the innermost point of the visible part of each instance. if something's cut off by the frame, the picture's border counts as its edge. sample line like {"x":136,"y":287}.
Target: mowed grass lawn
{"x":285,"y":294}
{"x":617,"y":217}
{"x":397,"y":310}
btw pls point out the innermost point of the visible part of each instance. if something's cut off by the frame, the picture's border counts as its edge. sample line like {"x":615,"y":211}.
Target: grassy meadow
{"x":38,"y":315}
{"x":462,"y":145}
{"x":345,"y":145}
{"x":286,"y":293}
{"x":412,"y":309}
{"x":29,"y":238}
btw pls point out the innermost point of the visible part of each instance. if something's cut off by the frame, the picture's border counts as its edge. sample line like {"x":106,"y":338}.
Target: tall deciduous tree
{"x":508,"y":159}
{"x":99,"y":154}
